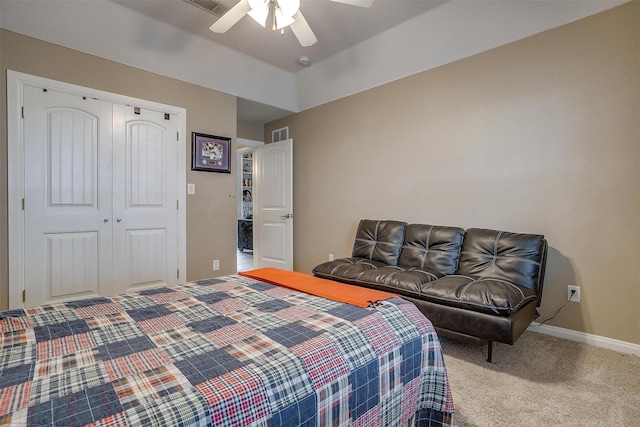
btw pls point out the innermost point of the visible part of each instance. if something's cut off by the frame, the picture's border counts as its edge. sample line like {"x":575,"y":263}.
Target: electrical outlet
{"x":330,"y":257}
{"x":216,"y":264}
{"x":576,"y":295}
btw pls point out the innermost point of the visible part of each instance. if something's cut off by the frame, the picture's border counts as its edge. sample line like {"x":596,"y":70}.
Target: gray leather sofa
{"x":475,"y":284}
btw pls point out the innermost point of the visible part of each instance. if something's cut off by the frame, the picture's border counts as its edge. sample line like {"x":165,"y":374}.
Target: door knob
{"x":119,"y":220}
{"x":287,"y":216}
{"x":105,"y":220}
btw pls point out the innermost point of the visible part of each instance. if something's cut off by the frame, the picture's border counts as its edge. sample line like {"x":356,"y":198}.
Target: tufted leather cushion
{"x":396,"y":278}
{"x":345,"y":269}
{"x":431,"y":247}
{"x":379,"y":240}
{"x":481,"y":294}
{"x":514,"y":257}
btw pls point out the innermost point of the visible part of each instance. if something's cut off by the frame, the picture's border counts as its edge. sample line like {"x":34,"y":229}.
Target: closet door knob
{"x":105,"y":220}
{"x":119,"y":220}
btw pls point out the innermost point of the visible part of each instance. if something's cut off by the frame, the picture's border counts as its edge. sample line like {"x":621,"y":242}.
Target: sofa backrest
{"x":379,"y":240}
{"x":518,"y":258}
{"x":431,"y":247}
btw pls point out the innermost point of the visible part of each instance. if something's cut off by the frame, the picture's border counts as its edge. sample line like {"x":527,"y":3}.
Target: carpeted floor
{"x":543,"y":381}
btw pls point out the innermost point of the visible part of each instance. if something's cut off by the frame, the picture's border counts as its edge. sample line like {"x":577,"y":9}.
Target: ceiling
{"x":337,"y":26}
{"x":357,"y":49}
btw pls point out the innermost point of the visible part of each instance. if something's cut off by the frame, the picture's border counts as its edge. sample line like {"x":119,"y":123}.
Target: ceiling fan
{"x":285,"y":13}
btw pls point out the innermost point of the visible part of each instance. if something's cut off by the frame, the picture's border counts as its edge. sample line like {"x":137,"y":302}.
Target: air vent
{"x":280,"y":134}
{"x":213,"y":7}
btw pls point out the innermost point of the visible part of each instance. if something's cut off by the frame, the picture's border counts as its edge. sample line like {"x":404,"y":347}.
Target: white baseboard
{"x":585,"y":338}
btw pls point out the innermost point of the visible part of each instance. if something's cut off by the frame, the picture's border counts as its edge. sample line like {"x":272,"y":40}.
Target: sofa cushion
{"x":398,"y":278}
{"x":481,"y":294}
{"x":514,"y":257}
{"x":345,"y":269}
{"x":431,"y":247}
{"x":379,"y":240}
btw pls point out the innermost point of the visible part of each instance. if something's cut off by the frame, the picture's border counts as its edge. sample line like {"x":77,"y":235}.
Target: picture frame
{"x":210,"y":153}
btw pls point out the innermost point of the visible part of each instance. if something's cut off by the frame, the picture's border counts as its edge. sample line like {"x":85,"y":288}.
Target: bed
{"x":228,"y":351}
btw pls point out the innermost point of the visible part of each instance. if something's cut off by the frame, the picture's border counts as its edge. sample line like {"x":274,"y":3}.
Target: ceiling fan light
{"x":283,"y":20}
{"x":259,"y":11}
{"x":259,"y":4}
{"x":289,"y":7}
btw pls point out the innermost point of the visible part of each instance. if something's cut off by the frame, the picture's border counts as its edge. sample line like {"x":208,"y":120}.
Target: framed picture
{"x":210,"y":153}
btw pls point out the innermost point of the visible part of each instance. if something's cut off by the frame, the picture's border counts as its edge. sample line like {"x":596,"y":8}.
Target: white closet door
{"x":145,"y":198}
{"x":101,"y":193}
{"x":68,"y":196}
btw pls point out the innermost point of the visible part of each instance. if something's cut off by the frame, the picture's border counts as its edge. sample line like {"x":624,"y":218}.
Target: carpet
{"x":543,"y":381}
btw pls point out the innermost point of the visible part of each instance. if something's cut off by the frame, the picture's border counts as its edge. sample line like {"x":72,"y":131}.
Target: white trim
{"x":16,"y":82}
{"x":586,"y":338}
{"x":15,"y":191}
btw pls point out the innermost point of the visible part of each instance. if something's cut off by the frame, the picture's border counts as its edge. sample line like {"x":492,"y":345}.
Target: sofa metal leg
{"x":489,"y":351}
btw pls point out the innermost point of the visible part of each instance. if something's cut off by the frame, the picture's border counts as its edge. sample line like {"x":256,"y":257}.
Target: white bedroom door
{"x":101,"y":197}
{"x":273,"y":205}
{"x":68,"y":197}
{"x":145,"y":203}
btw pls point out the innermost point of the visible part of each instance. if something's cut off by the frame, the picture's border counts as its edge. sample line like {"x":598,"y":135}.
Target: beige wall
{"x":541,"y":136}
{"x":249,"y":130}
{"x":211,"y":212}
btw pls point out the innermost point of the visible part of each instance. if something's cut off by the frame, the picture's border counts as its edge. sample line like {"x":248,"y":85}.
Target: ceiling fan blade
{"x":230,"y":18}
{"x":361,"y":3}
{"x":303,"y":31}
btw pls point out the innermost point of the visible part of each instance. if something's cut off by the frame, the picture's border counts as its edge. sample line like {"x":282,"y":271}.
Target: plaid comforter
{"x":228,"y":351}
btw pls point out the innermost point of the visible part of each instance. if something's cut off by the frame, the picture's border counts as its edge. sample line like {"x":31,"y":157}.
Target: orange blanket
{"x":351,"y":294}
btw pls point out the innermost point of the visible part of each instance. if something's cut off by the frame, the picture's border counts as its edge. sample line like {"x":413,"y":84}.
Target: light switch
{"x":191,"y":189}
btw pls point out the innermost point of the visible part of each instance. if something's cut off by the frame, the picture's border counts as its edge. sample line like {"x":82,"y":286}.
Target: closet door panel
{"x":145,"y":198}
{"x":68,"y":196}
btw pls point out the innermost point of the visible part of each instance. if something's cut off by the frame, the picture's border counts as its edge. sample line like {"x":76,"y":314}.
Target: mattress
{"x":228,"y":351}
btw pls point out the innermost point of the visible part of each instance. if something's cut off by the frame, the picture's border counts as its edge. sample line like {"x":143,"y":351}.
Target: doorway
{"x":244,"y":214}
{"x":272,"y":205}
